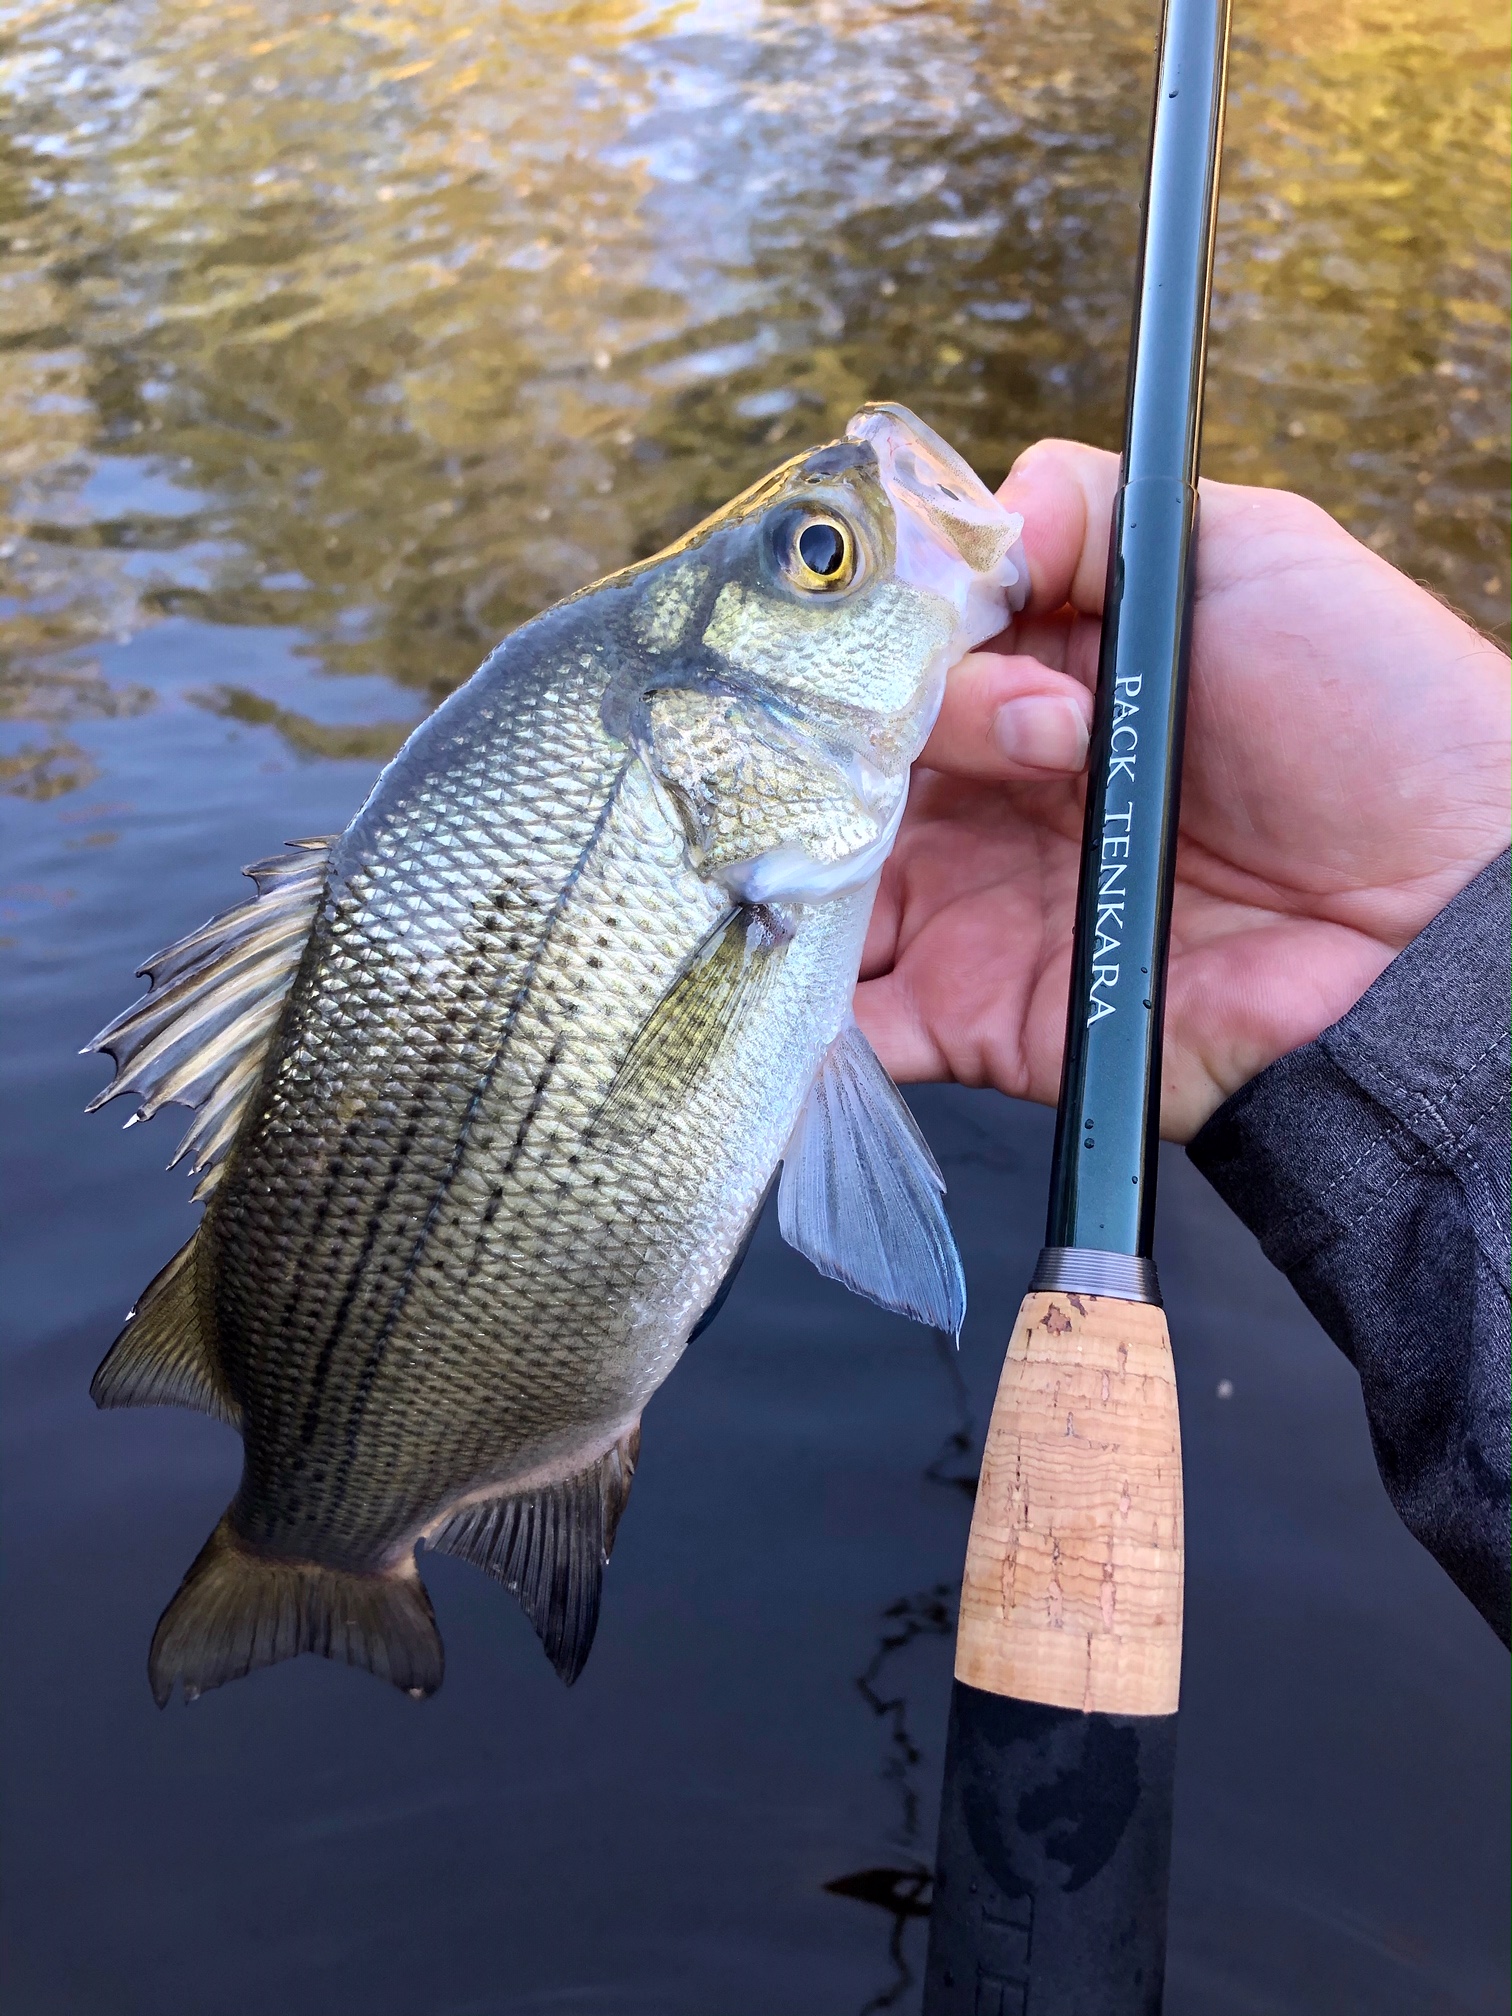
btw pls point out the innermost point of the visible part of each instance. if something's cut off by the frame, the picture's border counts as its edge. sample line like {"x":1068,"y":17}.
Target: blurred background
{"x":333,"y":344}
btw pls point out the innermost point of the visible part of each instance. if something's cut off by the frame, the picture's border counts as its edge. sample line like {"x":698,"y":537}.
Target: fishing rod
{"x":1055,"y":1825}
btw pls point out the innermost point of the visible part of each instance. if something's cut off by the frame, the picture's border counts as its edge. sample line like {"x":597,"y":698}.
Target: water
{"x":336,"y":343}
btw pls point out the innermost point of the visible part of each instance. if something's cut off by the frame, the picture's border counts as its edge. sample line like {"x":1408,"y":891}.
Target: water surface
{"x":335,"y":343}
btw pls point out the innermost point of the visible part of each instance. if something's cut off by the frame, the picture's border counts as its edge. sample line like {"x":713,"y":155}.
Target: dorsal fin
{"x":199,"y":1037}
{"x":551,"y":1547}
{"x":161,"y":1359}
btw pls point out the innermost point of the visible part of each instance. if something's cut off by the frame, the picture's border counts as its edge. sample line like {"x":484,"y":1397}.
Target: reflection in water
{"x":45,"y":762}
{"x":957,"y":1463}
{"x":904,"y":1892}
{"x":372,"y":742}
{"x":395,"y":323}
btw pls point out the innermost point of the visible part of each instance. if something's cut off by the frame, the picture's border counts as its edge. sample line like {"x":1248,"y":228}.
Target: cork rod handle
{"x":1073,"y":1585}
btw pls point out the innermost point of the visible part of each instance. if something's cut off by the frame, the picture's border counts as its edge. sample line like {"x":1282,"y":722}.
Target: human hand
{"x":1346,"y":775}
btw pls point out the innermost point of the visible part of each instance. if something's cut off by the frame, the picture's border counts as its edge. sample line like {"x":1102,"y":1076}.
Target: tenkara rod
{"x":1055,"y":1824}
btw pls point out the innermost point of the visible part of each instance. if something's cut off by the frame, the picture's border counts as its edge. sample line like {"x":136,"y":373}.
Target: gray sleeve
{"x":1373,"y":1167}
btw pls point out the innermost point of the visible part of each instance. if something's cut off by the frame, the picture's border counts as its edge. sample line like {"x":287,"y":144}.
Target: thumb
{"x":1065,"y":491}
{"x":1010,"y":720}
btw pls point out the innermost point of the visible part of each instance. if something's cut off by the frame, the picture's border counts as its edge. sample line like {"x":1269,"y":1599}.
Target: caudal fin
{"x":237,"y":1609}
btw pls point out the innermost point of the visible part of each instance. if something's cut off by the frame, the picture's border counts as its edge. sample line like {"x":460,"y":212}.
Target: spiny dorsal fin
{"x":161,"y":1359}
{"x":724,"y":979}
{"x":862,"y":1197}
{"x":199,"y":1037}
{"x":551,"y":1547}
{"x":237,"y":1609}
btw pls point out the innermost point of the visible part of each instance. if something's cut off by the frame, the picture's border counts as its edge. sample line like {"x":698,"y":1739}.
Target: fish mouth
{"x":953,"y":536}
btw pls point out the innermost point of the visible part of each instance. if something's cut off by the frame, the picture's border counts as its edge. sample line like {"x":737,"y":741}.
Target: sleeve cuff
{"x":1372,"y":1165}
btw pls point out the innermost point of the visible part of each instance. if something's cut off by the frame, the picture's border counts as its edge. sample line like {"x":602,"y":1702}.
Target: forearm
{"x":1372,"y":1165}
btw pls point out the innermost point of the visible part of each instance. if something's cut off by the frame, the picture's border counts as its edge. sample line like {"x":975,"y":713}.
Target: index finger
{"x":1065,"y":491}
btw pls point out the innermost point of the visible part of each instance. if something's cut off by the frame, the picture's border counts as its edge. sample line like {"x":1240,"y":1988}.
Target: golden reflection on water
{"x":396,"y":322}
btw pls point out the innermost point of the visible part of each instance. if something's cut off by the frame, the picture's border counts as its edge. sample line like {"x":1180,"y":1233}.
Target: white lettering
{"x":1102,"y":976}
{"x":1111,"y":872}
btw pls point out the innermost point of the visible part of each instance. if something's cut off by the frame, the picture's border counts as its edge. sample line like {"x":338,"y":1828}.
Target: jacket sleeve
{"x":1372,"y":1165}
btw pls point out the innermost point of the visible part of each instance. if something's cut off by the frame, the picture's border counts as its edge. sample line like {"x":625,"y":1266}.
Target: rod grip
{"x":1055,"y":1823}
{"x":1053,"y":1864}
{"x":1073,"y":1584}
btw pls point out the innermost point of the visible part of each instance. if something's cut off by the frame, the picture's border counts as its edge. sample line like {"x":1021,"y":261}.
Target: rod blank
{"x":1055,"y":1820}
{"x":1102,"y":1186}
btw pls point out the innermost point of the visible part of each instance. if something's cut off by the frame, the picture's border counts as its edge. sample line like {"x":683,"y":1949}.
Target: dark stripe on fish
{"x":367,"y":1378}
{"x":297,"y":1268}
{"x":309,"y":1427}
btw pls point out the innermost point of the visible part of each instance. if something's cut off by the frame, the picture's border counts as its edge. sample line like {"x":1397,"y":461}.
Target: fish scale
{"x":636,"y":884}
{"x":558,"y":1000}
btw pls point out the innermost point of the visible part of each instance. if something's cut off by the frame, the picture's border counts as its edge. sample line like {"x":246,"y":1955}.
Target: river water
{"x":338,"y":342}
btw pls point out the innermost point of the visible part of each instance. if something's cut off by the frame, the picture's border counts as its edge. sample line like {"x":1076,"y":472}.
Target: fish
{"x":489,"y":1089}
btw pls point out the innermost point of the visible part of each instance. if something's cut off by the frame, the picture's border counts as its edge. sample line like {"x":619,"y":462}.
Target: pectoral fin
{"x":861,"y":1195}
{"x":726,"y":977}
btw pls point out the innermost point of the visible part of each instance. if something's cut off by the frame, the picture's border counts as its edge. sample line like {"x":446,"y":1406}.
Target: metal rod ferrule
{"x":1084,"y":1270}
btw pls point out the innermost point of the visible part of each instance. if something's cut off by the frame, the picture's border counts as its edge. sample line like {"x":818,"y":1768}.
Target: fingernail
{"x":1043,"y":732}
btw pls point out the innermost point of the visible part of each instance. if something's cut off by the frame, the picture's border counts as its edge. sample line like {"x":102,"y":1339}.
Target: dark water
{"x":335,"y":343}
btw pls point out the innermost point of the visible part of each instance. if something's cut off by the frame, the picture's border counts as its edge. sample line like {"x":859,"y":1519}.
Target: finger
{"x":1065,"y":492}
{"x":1010,"y":720}
{"x":1067,"y":643}
{"x":892,"y":1024}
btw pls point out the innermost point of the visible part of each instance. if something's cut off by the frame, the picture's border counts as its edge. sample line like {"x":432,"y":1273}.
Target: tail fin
{"x":237,"y":1609}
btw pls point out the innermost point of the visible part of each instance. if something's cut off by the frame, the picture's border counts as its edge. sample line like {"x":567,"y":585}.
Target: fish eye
{"x":818,"y":551}
{"x":821,"y":548}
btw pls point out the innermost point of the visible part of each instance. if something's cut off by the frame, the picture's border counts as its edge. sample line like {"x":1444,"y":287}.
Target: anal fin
{"x":161,"y":1358}
{"x":551,"y":1547}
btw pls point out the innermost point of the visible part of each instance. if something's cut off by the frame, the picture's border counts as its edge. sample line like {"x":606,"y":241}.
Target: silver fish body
{"x":570,"y":982}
